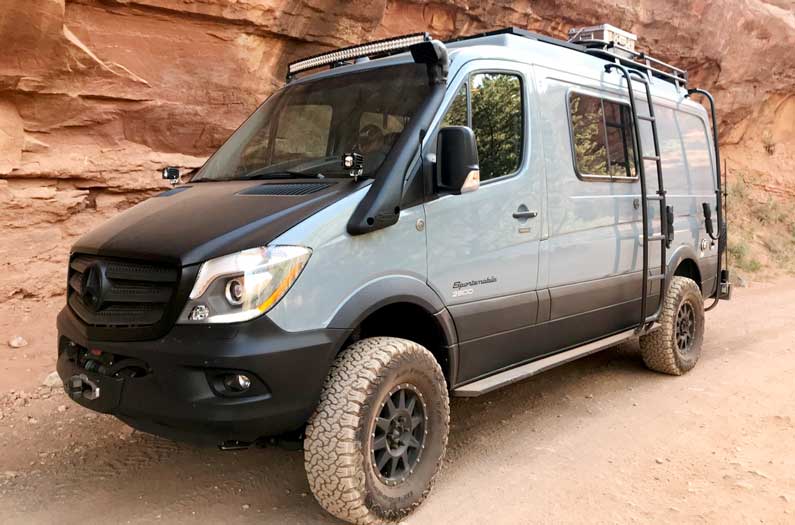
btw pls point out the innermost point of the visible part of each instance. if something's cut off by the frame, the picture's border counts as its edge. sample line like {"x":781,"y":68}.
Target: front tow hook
{"x":81,"y":386}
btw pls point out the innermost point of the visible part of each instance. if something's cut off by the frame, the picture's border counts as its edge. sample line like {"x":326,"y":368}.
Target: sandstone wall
{"x":97,"y":95}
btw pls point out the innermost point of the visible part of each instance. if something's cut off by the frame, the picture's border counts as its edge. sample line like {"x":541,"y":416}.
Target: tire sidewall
{"x":691,"y":293}
{"x":393,"y":502}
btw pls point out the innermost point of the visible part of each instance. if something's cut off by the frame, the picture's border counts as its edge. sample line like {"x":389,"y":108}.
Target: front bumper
{"x":176,"y":398}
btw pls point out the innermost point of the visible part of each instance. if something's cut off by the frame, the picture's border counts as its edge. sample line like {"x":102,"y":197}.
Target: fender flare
{"x":388,"y":290}
{"x":395,"y":289}
{"x":682,"y":253}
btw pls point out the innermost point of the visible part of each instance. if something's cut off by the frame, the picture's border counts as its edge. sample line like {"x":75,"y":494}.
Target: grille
{"x":286,"y":189}
{"x":111,"y":292}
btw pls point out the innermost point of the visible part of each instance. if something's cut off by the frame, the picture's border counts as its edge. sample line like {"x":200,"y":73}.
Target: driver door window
{"x":492,"y":105}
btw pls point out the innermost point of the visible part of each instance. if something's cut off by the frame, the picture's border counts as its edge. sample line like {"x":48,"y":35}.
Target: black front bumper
{"x":176,"y":398}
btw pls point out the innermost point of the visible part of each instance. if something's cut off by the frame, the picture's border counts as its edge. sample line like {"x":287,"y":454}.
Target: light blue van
{"x":417,"y":220}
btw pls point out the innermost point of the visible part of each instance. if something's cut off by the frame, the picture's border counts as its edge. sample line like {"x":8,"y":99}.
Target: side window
{"x":497,"y":122}
{"x":303,"y":132}
{"x":604,"y":144}
{"x":497,"y":119}
{"x":457,"y":114}
{"x":697,"y":150}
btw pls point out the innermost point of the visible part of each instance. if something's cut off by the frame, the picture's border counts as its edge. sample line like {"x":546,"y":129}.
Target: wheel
{"x":376,"y":441}
{"x":675,"y":347}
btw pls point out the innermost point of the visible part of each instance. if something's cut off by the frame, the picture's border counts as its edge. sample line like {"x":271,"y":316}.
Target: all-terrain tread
{"x":658,"y":348}
{"x":333,"y":454}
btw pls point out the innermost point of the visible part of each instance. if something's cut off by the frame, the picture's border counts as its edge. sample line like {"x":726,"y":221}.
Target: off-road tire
{"x":659,"y":349}
{"x":338,"y":456}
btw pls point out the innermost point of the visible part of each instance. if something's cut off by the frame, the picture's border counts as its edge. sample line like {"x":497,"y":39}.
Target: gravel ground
{"x":598,"y":440}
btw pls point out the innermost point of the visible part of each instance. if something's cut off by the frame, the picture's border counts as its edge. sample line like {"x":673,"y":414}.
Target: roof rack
{"x":604,"y":49}
{"x":636,"y":60}
{"x":607,"y":50}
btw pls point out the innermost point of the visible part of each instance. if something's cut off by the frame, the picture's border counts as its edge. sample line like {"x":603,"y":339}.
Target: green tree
{"x":497,"y":122}
{"x":587,"y":123}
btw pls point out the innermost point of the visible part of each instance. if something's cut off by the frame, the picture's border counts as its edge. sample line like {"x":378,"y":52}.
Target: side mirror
{"x":457,"y":160}
{"x":171,"y":174}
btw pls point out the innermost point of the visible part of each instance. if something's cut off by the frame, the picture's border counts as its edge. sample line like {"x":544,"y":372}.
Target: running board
{"x":513,"y":375}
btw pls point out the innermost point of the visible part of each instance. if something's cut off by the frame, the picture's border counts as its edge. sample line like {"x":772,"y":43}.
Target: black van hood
{"x":192,"y":223}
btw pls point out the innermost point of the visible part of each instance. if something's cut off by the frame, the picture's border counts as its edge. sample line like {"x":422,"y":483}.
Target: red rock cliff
{"x":97,"y":95}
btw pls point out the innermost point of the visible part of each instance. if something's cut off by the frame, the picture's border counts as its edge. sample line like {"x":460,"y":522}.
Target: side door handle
{"x":525,"y":214}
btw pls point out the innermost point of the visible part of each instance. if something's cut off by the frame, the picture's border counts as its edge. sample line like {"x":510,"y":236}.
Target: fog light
{"x":237,"y":382}
{"x":199,"y":313}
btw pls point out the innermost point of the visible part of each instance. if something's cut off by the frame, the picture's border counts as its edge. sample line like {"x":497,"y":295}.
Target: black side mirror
{"x":457,"y":160}
{"x":171,"y":173}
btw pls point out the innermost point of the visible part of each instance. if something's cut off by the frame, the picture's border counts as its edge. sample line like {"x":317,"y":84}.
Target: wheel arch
{"x":684,"y":262}
{"x":405,"y":307}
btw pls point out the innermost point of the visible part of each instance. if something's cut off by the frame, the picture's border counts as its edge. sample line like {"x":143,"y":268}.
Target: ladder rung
{"x":651,"y":157}
{"x":654,"y":197}
{"x":657,"y":277}
{"x":647,"y":118}
{"x":658,"y":237}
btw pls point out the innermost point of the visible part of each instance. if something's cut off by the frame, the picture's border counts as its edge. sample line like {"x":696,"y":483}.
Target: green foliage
{"x":497,"y":123}
{"x":770,"y":212}
{"x":738,"y":249}
{"x":752,"y":265}
{"x":737,"y":189}
{"x":457,"y":114}
{"x":496,"y":120}
{"x":738,"y":252}
{"x":587,"y":122}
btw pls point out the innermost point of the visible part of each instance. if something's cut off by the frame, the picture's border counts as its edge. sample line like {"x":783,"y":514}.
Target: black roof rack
{"x":600,"y":48}
{"x":603,"y":49}
{"x":636,"y":60}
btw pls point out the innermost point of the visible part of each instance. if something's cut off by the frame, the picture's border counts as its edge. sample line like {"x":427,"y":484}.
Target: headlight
{"x":243,"y":285}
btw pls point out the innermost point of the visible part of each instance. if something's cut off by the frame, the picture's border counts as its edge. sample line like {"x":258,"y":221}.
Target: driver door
{"x":483,"y":246}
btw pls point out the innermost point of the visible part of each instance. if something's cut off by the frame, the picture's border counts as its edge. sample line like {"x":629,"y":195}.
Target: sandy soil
{"x":599,"y":440}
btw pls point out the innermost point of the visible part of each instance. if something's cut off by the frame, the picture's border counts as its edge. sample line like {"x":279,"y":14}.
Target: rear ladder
{"x":665,"y":237}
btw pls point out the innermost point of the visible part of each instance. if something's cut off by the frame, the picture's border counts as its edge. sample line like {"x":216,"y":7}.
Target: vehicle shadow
{"x":142,"y":478}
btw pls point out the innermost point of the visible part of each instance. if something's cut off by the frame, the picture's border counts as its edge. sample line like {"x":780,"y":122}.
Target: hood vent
{"x":287,"y":190}
{"x":169,"y":193}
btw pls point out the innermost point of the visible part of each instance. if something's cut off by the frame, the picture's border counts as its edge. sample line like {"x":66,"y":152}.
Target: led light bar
{"x":364,"y":50}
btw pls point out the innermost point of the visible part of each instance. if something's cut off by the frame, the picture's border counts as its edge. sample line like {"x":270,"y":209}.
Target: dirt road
{"x":599,"y":440}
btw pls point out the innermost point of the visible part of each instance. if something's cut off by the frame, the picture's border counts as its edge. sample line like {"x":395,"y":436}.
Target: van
{"x":411,"y":221}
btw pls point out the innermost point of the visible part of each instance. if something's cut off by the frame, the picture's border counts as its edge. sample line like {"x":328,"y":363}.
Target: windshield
{"x":305,"y":128}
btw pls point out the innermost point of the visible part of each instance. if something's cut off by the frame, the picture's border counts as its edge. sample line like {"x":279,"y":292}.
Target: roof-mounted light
{"x":389,"y":45}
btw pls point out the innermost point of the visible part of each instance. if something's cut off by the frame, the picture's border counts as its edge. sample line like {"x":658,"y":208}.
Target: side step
{"x":513,"y":375}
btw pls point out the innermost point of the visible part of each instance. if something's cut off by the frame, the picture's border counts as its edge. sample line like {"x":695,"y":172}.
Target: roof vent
{"x":605,"y":33}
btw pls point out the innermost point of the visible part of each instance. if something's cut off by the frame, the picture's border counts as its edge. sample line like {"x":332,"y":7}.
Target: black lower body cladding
{"x":173,"y":393}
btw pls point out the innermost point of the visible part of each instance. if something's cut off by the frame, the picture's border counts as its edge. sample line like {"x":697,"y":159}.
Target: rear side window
{"x":601,"y":133}
{"x":492,"y":105}
{"x":697,"y":150}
